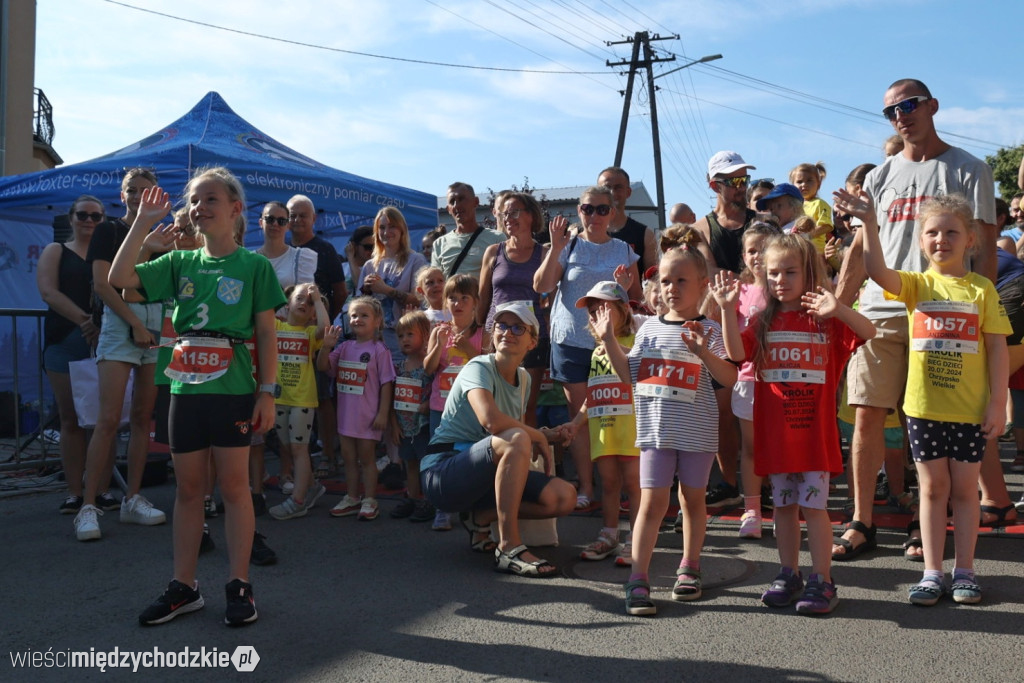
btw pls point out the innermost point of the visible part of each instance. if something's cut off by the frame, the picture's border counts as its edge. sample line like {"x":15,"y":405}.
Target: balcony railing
{"x":42,"y":129}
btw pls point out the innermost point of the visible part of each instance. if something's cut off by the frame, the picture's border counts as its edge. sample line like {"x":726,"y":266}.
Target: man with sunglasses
{"x":723,"y":227}
{"x":876,"y":375}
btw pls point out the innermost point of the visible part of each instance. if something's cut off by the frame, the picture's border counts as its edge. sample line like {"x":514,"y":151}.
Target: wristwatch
{"x":272,"y":389}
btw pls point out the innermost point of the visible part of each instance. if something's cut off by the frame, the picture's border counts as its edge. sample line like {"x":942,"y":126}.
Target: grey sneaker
{"x":87,"y":527}
{"x":314,"y":494}
{"x":138,"y":510}
{"x":288,"y":509}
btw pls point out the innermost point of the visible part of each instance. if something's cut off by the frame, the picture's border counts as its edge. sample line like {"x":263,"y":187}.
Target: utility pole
{"x":641,"y":39}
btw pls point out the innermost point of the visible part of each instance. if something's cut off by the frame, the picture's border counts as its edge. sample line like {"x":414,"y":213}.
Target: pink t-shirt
{"x":448,"y":366}
{"x":359,"y":370}
{"x":751,"y":303}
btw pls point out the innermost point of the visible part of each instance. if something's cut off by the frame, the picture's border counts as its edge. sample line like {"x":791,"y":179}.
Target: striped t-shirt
{"x":668,"y":423}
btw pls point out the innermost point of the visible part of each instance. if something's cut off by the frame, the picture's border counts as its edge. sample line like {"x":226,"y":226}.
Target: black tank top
{"x":632,"y":233}
{"x":74,"y":280}
{"x":727,"y":245}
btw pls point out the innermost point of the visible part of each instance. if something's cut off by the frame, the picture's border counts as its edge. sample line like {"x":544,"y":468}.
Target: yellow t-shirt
{"x":296,"y":354}
{"x":610,"y":412}
{"x":949,"y":316}
{"x":821,"y":212}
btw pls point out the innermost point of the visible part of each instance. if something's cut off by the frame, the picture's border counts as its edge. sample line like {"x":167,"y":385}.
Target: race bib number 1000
{"x":945,"y":326}
{"x":670,"y":374}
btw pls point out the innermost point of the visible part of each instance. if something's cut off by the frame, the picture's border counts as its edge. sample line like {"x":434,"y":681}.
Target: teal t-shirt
{"x":215,"y":295}
{"x":459,"y":423}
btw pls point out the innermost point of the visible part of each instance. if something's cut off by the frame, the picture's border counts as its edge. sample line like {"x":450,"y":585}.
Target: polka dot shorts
{"x":932,"y":439}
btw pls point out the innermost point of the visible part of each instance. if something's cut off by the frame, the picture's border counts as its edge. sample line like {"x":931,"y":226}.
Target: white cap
{"x":725,"y":162}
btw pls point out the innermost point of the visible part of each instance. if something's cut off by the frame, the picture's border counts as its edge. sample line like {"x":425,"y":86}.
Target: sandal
{"x":510,"y":563}
{"x":638,"y":599}
{"x":850,"y":551}
{"x":600,"y":549}
{"x":688,"y":585}
{"x":913,"y":541}
{"x":904,"y":503}
{"x":477,"y":545}
{"x":582,"y":502}
{"x":1000,"y":516}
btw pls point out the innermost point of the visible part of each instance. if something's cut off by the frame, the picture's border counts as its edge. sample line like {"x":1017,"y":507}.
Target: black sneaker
{"x":259,"y":504}
{"x":241,"y":608}
{"x":177,"y":599}
{"x":261,"y":554}
{"x":404,"y":509}
{"x":881,"y":488}
{"x":723,"y":496}
{"x":424,"y":511}
{"x":206,"y":544}
{"x":107,"y":502}
{"x":71,"y":505}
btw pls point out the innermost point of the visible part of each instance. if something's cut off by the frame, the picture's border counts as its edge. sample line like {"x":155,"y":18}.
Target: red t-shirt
{"x":795,"y":393}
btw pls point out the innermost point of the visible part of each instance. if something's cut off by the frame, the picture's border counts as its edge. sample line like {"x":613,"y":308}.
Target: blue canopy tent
{"x":211,"y":134}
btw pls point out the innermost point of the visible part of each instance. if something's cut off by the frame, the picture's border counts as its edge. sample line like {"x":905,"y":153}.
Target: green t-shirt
{"x":215,"y":295}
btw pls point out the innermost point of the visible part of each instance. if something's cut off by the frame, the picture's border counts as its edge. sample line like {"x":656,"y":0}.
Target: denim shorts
{"x":464,"y":480}
{"x":116,"y":335}
{"x":71,"y":348}
{"x":570,"y":364}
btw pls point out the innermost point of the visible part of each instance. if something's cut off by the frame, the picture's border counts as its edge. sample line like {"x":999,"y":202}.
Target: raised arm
{"x":726,"y":291}
{"x":861,"y":206}
{"x":550,"y":272}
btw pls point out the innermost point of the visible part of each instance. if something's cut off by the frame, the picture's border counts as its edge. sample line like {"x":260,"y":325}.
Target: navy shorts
{"x":464,"y":480}
{"x":570,"y":364}
{"x":72,"y":347}
{"x":201,"y":421}
{"x":934,"y":439}
{"x":414,"y":447}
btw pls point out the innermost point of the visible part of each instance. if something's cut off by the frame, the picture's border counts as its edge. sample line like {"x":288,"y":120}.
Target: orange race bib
{"x":199,"y":359}
{"x":408,"y":394}
{"x":351,"y":377}
{"x":292,"y":347}
{"x":945,"y":326}
{"x":795,"y":357}
{"x":447,"y":378}
{"x":607,"y":395}
{"x":671,"y":374}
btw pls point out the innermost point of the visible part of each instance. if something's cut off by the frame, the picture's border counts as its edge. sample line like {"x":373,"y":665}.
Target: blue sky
{"x":792,"y":86}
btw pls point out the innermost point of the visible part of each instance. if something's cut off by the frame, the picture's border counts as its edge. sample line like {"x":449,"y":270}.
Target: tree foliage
{"x":1005,"y":163}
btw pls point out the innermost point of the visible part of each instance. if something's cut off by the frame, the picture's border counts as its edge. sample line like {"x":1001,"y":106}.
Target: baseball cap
{"x":780,"y":190}
{"x":607,"y":290}
{"x":726,"y":162}
{"x":520,"y":309}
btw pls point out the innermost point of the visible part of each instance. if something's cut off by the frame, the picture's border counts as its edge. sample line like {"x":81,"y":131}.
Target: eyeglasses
{"x":517,"y":329}
{"x":599,"y":209}
{"x":87,"y":216}
{"x":366,"y":246}
{"x":280,"y":220}
{"x":907,"y":106}
{"x":187,"y":230}
{"x":511,"y":215}
{"x":735,"y":183}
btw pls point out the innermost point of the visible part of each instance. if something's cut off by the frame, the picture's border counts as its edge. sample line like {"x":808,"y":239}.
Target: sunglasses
{"x":599,"y":209}
{"x":87,"y":216}
{"x":735,"y":183}
{"x":517,"y":329}
{"x":366,"y":246}
{"x":280,"y":220}
{"x":905,"y":107}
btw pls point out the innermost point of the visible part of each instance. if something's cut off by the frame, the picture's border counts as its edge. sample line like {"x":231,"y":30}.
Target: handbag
{"x":85,"y":390}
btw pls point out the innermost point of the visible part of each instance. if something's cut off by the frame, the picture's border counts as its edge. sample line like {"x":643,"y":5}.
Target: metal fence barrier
{"x":25,"y":365}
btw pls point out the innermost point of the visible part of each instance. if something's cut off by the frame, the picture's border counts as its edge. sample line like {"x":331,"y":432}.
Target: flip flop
{"x":850,"y":551}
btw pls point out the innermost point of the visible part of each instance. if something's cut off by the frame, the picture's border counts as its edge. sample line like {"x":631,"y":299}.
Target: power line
{"x":349,"y":52}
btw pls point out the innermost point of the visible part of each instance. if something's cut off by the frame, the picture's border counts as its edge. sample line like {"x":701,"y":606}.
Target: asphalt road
{"x":394,"y":601}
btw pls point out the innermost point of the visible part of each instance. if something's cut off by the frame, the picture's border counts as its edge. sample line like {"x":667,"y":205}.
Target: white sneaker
{"x":87,"y":527}
{"x":750,"y":524}
{"x":138,"y":510}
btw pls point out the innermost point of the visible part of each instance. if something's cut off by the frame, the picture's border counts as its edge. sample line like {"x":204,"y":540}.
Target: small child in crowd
{"x":412,"y":407}
{"x":430,"y":286}
{"x":672,"y":363}
{"x":365,"y":376}
{"x":799,"y":346}
{"x":298,"y":342}
{"x":956,"y":382}
{"x":808,"y":179}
